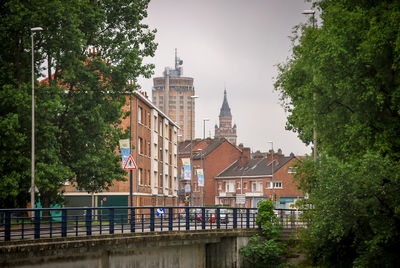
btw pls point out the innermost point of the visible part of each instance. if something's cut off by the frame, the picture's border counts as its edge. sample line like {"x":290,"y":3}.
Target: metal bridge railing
{"x":17,"y":224}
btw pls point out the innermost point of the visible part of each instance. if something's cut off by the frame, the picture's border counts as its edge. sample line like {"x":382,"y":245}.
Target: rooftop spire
{"x":225,"y":110}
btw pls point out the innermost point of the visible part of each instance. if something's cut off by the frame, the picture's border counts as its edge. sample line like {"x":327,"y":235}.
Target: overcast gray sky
{"x":232,"y":43}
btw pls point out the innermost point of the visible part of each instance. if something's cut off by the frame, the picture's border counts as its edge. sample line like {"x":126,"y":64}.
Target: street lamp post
{"x":33,"y":32}
{"x":204,"y":127}
{"x":204,"y":176}
{"x":312,"y":12}
{"x":191,"y":147}
{"x":272,"y":167}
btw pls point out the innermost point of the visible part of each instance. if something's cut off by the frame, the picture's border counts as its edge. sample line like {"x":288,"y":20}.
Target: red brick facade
{"x":143,"y":136}
{"x":218,"y":154}
{"x":254,"y":180}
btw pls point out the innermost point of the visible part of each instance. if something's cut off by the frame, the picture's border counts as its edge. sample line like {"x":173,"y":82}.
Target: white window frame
{"x":140,"y":115}
{"x":275,"y":184}
{"x":139,"y":175}
{"x":229,"y":185}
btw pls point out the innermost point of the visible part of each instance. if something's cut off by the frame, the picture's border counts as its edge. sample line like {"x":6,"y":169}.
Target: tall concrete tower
{"x":172,"y":94}
{"x":225,"y":129}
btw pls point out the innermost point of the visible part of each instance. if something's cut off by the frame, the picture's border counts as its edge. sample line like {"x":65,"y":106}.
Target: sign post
{"x":125,"y":153}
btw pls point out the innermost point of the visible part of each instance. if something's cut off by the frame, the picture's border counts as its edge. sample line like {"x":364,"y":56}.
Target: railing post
{"x":37,"y":223}
{"x":7,"y":234}
{"x":170,"y":219}
{"x":151,"y":219}
{"x":234,"y":218}
{"x":187,"y":219}
{"x":133,"y":220}
{"x":203,"y":218}
{"x":247,"y":218}
{"x":111,"y":220}
{"x":88,"y":222}
{"x":292,"y":218}
{"x":218,"y":219}
{"x":64,"y":223}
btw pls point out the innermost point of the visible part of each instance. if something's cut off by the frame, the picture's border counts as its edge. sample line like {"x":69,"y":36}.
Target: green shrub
{"x":263,"y":250}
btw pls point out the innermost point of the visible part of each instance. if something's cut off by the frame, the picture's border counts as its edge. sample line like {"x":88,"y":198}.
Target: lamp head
{"x":36,"y":29}
{"x":308,"y":12}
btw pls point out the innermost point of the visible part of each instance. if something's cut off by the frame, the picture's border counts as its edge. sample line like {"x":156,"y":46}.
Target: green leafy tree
{"x":350,"y":63}
{"x":264,"y":250}
{"x":78,"y":107}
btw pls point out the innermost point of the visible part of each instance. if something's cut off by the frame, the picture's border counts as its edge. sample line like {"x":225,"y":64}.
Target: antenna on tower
{"x":176,"y":58}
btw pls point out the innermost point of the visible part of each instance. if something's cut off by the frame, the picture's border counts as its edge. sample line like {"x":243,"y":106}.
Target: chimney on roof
{"x":244,"y":156}
{"x":276,"y":155}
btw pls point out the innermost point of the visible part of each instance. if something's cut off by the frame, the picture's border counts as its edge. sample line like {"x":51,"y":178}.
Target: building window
{"x":230,"y":186}
{"x":149,"y":120}
{"x":275,"y":184}
{"x":219,"y":186}
{"x":149,"y":148}
{"x":140,"y":145}
{"x":239,"y":186}
{"x":292,"y":169}
{"x":140,"y":177}
{"x":245,"y":185}
{"x":140,"y":115}
{"x":155,"y":123}
{"x":254,"y":186}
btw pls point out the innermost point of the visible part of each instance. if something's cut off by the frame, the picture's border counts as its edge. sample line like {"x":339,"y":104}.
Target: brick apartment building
{"x":211,"y":155}
{"x":256,"y":179}
{"x":154,"y":139}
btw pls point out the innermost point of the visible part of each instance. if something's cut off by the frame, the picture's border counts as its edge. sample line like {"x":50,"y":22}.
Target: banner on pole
{"x":187,"y":173}
{"x":125,"y":151}
{"x":200,"y":177}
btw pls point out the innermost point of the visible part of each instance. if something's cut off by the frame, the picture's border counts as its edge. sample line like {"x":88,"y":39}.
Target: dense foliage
{"x":264,"y":250}
{"x":350,"y":62}
{"x":78,"y":108}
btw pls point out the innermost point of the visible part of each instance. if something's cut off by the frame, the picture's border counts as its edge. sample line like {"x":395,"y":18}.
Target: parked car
{"x":209,"y":217}
{"x":194,"y":213}
{"x":182,"y":214}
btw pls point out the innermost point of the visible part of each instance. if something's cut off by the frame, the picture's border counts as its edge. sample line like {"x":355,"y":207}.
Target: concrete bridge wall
{"x":202,"y":248}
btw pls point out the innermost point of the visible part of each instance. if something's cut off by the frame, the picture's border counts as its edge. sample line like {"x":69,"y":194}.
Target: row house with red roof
{"x":247,"y":180}
{"x":209,"y":155}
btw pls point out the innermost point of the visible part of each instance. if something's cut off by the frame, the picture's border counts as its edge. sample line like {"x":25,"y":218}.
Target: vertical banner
{"x":200,"y":177}
{"x":125,"y":150}
{"x":187,"y":174}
